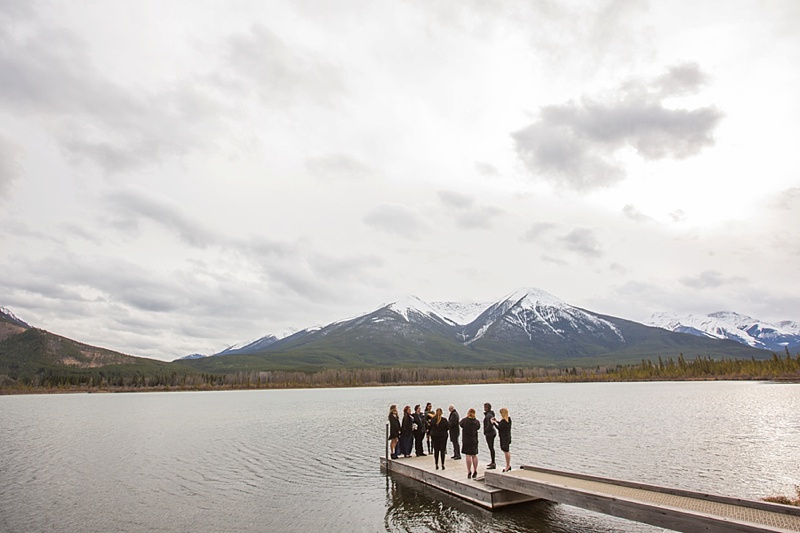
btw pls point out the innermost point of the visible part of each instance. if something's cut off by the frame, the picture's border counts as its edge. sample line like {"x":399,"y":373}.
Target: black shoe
{"x":469,"y":475}
{"x":474,"y":474}
{"x":393,"y":456}
{"x":437,"y":467}
{"x":457,"y":457}
{"x":442,"y":466}
{"x":491,"y":466}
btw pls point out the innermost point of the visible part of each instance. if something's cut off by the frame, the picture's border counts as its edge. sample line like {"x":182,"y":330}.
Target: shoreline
{"x":298,"y":386}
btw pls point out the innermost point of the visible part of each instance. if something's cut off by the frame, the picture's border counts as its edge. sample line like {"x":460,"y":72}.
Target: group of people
{"x":407,"y":434}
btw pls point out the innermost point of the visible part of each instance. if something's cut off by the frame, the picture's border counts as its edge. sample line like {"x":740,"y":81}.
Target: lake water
{"x":307,"y":460}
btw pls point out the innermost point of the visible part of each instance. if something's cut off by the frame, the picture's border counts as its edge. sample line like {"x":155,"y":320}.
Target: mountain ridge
{"x":528,"y":326}
{"x":784,"y":335}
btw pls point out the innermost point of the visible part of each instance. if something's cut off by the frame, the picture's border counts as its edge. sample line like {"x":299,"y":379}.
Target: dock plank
{"x":675,"y":509}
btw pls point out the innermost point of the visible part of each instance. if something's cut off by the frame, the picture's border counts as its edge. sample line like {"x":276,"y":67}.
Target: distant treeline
{"x":700,"y":368}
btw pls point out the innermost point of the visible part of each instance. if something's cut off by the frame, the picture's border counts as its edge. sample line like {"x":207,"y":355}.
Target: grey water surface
{"x":307,"y":460}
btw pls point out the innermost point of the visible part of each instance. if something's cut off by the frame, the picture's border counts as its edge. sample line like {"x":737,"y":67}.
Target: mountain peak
{"x":8,"y":316}
{"x":533,"y":295}
{"x":411,"y":303}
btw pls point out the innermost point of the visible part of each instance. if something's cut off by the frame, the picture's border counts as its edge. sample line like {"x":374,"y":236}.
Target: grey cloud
{"x":574,"y":144}
{"x":9,"y":166}
{"x":582,"y":241}
{"x":485,"y":169}
{"x":537,"y":230}
{"x":686,"y":78}
{"x":132,"y":204}
{"x":679,"y":215}
{"x":338,"y":166}
{"x":114,"y":279}
{"x":132,"y":207}
{"x":396,"y":219}
{"x":789,"y":199}
{"x":282,"y":74}
{"x":480,"y":218}
{"x":709,"y":279}
{"x":456,"y":199}
{"x":47,"y":74}
{"x":352,"y":267}
{"x":617,"y":268}
{"x":554,"y":260}
{"x":467,"y":214}
{"x":633,"y":213}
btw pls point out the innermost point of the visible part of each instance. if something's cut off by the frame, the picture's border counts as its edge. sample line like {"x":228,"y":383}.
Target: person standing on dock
{"x":428,"y":416}
{"x":394,"y":430}
{"x":469,"y":447}
{"x":455,"y":431}
{"x":420,"y":429}
{"x":504,"y":430}
{"x":440,"y":428}
{"x":406,"y":432}
{"x":489,"y":432}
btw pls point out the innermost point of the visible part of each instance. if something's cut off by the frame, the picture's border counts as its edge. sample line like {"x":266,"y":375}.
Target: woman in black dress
{"x":429,"y":414}
{"x":394,"y":430}
{"x":406,"y":432}
{"x":469,"y":442}
{"x":504,"y":430}
{"x":440,"y":430}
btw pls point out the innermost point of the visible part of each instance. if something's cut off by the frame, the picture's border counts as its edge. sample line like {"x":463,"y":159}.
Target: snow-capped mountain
{"x":7,"y":316}
{"x":525,"y":326}
{"x":191,"y":357}
{"x":734,"y":326}
{"x":537,"y":319}
{"x":250,"y":346}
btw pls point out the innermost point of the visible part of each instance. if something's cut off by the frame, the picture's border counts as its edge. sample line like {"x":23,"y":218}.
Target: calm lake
{"x":307,"y":460}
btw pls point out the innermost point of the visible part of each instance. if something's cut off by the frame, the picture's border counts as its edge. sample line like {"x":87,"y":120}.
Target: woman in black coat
{"x":440,"y":430}
{"x":406,"y":432}
{"x":469,"y":442}
{"x":394,"y":430}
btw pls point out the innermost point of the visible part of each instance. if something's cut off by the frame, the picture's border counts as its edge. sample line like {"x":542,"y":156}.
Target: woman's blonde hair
{"x":392,"y":409}
{"x":504,"y":413}
{"x":471,"y":413}
{"x":438,"y":416}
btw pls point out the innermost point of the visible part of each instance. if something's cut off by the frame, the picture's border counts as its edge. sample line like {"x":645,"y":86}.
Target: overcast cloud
{"x":574,"y":144}
{"x":180,"y":177}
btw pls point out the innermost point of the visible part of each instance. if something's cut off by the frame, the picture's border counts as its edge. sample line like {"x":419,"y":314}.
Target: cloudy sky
{"x":176,"y":177}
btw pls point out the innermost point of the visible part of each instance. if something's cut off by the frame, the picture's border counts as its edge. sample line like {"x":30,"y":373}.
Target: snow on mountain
{"x":405,"y":306}
{"x":249,"y":347}
{"x":460,"y":313}
{"x":733,"y":326}
{"x":535,"y":311}
{"x":790,"y":326}
{"x":191,"y":356}
{"x":11,"y":317}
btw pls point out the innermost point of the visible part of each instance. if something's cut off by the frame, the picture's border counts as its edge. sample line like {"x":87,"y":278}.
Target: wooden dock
{"x":675,"y":509}
{"x":454,"y":480}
